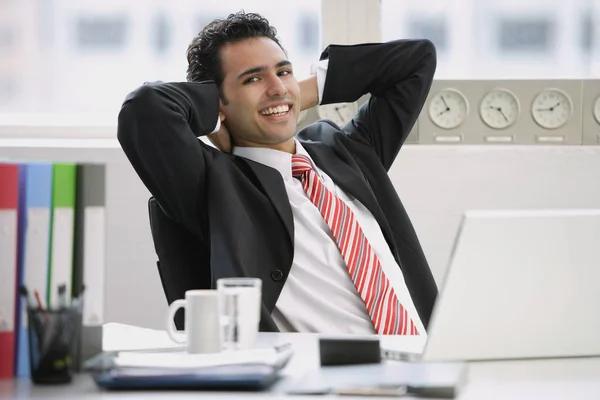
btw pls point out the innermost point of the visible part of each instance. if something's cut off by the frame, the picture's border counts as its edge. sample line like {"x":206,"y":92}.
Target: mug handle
{"x":171,"y":329}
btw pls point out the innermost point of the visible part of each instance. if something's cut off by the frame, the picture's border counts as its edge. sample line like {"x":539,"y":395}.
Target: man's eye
{"x":285,"y":72}
{"x":250,"y":80}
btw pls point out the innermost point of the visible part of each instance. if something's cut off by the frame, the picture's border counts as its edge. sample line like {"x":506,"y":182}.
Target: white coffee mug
{"x":202,"y":329}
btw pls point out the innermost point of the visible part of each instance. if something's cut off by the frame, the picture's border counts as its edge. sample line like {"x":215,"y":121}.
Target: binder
{"x":249,"y":377}
{"x":34,"y":245}
{"x":9,"y":200}
{"x":90,"y":254}
{"x":62,"y":225}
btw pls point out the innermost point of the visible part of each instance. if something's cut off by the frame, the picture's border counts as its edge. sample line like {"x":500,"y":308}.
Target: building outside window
{"x":502,"y":39}
{"x":95,"y":33}
{"x":84,"y":57}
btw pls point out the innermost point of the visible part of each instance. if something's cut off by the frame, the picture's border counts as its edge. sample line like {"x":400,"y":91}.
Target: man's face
{"x":263,"y":97}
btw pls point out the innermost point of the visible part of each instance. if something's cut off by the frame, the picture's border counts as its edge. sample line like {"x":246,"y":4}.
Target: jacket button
{"x":276,"y":275}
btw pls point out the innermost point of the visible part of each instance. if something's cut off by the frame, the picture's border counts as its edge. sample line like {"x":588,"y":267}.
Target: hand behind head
{"x":222,"y":138}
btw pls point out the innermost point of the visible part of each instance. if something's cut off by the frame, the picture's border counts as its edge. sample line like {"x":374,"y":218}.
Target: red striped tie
{"x":389,"y":317}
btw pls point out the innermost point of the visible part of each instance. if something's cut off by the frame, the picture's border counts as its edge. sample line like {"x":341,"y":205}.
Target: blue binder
{"x":35,"y":189}
{"x":249,"y":377}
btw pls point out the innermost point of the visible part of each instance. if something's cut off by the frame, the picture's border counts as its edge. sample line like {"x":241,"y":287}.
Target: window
{"x":101,"y":33}
{"x":308,"y":33}
{"x":432,"y":28}
{"x":203,"y":20}
{"x":526,"y":35}
{"x":161,"y":33}
{"x":8,"y":89}
{"x":502,"y":39}
{"x":8,"y":39}
{"x":587,"y":32}
{"x":88,"y":55}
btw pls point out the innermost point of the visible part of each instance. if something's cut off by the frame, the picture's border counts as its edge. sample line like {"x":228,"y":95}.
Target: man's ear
{"x":221,"y":110}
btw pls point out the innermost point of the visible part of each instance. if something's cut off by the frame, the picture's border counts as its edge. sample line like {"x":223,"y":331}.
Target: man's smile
{"x":277,"y":112}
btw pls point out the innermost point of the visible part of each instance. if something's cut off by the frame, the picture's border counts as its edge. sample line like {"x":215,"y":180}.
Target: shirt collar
{"x":279,"y":160}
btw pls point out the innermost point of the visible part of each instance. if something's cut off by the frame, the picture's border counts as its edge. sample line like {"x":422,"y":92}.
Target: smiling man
{"x":312,"y":213}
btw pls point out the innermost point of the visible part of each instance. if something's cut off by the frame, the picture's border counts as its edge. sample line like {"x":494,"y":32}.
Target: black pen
{"x":62,"y":296}
{"x":34,"y":317}
{"x":77,"y":302}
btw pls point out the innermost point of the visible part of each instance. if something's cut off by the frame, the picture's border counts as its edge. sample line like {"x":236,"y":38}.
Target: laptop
{"x":519,"y":285}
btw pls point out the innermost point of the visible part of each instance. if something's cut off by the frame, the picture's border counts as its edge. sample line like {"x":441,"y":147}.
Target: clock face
{"x":499,"y":109}
{"x":596,"y":110}
{"x":551,"y":109}
{"x":340,"y":113}
{"x":448,"y":109}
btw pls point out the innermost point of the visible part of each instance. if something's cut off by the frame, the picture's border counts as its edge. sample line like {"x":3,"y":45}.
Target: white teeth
{"x":276,"y":110}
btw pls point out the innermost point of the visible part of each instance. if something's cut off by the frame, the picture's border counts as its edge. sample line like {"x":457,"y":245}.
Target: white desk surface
{"x":532,"y":379}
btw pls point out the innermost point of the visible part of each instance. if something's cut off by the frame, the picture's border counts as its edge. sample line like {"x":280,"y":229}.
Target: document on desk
{"x":121,"y":337}
{"x":132,"y":346}
{"x":273,"y":356}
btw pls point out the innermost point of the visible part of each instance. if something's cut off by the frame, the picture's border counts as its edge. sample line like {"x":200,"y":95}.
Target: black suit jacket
{"x":239,"y":208}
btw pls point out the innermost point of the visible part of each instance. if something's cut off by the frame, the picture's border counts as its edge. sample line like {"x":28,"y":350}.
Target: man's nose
{"x":276,"y":87}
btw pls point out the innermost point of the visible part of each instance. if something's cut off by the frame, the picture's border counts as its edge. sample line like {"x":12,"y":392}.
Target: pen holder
{"x":53,"y":341}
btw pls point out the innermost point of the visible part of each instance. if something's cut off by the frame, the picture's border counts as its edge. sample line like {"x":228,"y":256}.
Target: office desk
{"x":577,"y":379}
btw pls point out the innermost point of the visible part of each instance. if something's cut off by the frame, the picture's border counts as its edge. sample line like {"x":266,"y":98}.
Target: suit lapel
{"x":274,"y":188}
{"x":350,"y":181}
{"x":346,"y":177}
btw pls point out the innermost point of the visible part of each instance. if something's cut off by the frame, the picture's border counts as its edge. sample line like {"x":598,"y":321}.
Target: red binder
{"x":9,"y":200}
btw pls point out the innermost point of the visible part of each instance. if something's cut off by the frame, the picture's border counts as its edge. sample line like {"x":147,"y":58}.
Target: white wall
{"x":436,"y":183}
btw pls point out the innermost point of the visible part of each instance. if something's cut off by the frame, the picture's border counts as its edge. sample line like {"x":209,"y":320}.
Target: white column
{"x":350,"y":21}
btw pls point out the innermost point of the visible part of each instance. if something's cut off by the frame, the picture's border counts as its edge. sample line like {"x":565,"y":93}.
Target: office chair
{"x":183,"y":259}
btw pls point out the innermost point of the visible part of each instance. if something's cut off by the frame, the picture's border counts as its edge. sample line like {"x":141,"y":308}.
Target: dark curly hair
{"x":203,"y":52}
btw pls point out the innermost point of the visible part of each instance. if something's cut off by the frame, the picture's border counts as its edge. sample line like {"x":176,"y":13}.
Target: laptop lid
{"x":520,"y":284}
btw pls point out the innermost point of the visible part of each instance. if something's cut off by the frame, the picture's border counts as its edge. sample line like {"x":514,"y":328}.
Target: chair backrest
{"x":183,"y":259}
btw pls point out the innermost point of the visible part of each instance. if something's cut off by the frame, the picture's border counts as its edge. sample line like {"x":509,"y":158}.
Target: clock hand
{"x":501,"y":112}
{"x":337,"y":110}
{"x":499,"y":109}
{"x":446,"y":104}
{"x":549,"y":108}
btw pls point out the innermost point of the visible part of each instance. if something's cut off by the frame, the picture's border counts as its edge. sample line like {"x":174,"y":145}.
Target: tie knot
{"x":300,"y":165}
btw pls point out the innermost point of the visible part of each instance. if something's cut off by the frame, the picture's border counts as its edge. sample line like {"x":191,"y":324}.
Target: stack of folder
{"x":52,"y":233}
{"x":255,"y":369}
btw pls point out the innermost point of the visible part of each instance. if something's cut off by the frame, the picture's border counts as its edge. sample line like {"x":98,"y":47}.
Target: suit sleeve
{"x":158,"y":126}
{"x":397,"y":74}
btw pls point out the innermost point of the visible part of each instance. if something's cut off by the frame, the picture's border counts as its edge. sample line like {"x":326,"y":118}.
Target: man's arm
{"x":309,"y":93}
{"x":158,"y":127}
{"x":397,"y":74}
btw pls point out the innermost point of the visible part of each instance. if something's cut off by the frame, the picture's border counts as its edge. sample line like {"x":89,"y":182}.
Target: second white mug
{"x":202,"y":327}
